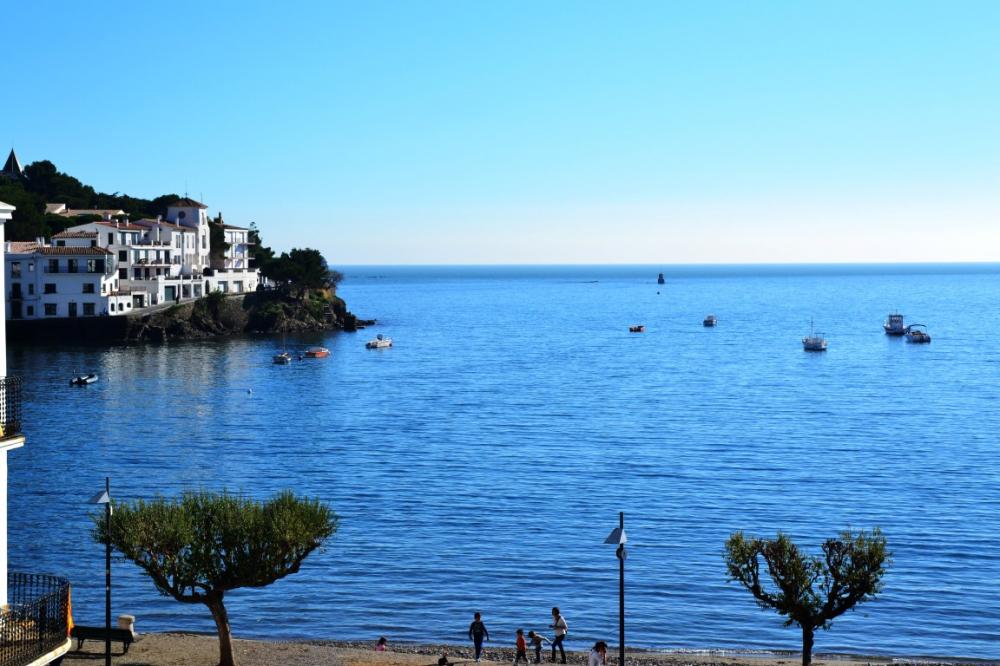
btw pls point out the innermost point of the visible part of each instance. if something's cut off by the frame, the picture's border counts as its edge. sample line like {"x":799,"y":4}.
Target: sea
{"x":480,"y":463}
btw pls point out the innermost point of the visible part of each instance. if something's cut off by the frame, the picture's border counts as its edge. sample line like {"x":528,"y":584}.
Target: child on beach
{"x":477,"y":632}
{"x":536,"y":642}
{"x":381,"y":645}
{"x":522,"y":648}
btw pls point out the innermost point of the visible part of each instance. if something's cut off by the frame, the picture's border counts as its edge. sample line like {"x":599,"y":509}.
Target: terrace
{"x":34,"y":627}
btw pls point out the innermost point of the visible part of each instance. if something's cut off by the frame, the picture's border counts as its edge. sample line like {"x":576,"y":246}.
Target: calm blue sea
{"x":480,"y":462}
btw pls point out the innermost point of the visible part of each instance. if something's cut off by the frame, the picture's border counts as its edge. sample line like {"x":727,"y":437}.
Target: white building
{"x":24,"y":596}
{"x":114,"y":266}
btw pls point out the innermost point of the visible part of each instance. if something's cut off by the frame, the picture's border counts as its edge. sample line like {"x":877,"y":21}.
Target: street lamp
{"x":104,"y":497}
{"x":618,"y":537}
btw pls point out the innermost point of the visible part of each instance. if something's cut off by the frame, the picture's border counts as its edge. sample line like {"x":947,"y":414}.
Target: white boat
{"x":83,"y":380}
{"x":814,"y":342}
{"x":917,"y":333}
{"x":379,"y":342}
{"x":894,"y":324}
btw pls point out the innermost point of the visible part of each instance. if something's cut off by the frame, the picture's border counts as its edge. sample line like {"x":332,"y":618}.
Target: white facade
{"x":7,"y":442}
{"x":141,"y":264}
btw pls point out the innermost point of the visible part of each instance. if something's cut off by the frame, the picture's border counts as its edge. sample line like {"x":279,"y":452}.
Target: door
{"x":72,"y":309}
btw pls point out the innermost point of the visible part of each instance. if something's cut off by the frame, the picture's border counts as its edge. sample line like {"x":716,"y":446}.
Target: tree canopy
{"x":301,"y":268}
{"x":203,"y":544}
{"x":809,"y":590}
{"x":43,"y":183}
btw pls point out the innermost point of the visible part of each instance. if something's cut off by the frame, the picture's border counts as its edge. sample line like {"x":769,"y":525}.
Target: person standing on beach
{"x":522,"y":649}
{"x":599,"y":654}
{"x":559,"y":628}
{"x":536,"y":642}
{"x":477,"y":632}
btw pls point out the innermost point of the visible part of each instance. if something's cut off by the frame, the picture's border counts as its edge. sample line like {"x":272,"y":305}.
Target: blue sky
{"x":532,"y":132}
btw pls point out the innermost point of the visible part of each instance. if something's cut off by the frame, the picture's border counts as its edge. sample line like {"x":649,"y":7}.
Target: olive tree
{"x":809,"y":591}
{"x":203,"y":544}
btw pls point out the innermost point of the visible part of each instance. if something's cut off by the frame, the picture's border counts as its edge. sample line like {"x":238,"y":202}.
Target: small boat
{"x":282,"y":358}
{"x":894,"y":324}
{"x":814,"y":342}
{"x":917,"y":333}
{"x":83,"y":380}
{"x":710,"y":320}
{"x":660,"y":279}
{"x":379,"y":342}
{"x":638,"y":328}
{"x":317,"y":352}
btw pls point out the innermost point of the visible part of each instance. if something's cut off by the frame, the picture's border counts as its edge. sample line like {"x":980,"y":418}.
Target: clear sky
{"x":532,"y":132}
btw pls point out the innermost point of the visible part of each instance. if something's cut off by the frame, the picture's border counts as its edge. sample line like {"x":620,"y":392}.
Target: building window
{"x":204,"y":243}
{"x":181,"y":215}
{"x":123,"y":273}
{"x":122,"y":255}
{"x":31,"y":267}
{"x":98,"y":266}
{"x":111,"y":238}
{"x":72,"y":309}
{"x":50,"y":309}
{"x":60,"y":243}
{"x":31,"y":289}
{"x":89,"y":287}
{"x":88,"y":309}
{"x":93,"y":243}
{"x":31,"y":310}
{"x":15,"y":290}
{"x":50,"y":287}
{"x":91,"y":265}
{"x":53,"y":265}
{"x":71,"y":265}
{"x":15,"y":269}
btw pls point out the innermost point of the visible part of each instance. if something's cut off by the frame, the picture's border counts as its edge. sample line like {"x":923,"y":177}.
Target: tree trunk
{"x":807,"y":645}
{"x":221,"y":618}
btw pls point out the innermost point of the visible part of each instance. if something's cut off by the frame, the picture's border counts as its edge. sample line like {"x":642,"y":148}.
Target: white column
{"x":4,"y":216}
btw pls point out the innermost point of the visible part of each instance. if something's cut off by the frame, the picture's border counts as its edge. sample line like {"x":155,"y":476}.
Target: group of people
{"x":478,"y":634}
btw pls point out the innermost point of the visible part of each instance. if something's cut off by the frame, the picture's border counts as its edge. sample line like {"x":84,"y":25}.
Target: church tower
{"x":12,"y":168}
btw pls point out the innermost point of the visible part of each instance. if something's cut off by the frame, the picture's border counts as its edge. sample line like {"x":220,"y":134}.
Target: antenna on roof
{"x":185,"y":188}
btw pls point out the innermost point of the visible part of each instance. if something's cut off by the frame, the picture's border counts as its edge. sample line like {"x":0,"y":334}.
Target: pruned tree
{"x":200,"y":546}
{"x":809,"y":591}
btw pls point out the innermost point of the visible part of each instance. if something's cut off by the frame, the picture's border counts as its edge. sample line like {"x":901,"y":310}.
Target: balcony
{"x":35,"y":626}
{"x":10,"y":413}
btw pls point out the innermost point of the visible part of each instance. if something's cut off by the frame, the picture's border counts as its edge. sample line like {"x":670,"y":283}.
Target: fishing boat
{"x":83,"y":380}
{"x":283,"y":358}
{"x":917,"y":333}
{"x":814,"y":342}
{"x":638,"y":328}
{"x":710,"y":320}
{"x":379,"y":342}
{"x":317,"y":352}
{"x":894,"y":324}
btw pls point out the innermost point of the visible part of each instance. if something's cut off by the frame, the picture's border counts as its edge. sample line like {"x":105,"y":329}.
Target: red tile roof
{"x":187,"y":202}
{"x":20,"y":247}
{"x":76,"y":234}
{"x":121,"y":226}
{"x":71,"y":251}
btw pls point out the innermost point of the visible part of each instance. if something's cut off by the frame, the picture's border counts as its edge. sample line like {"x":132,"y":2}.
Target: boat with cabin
{"x":83,"y":380}
{"x":814,"y":342}
{"x":638,"y":328}
{"x":710,"y":320}
{"x":894,"y":324}
{"x":917,"y":334}
{"x":379,"y":342}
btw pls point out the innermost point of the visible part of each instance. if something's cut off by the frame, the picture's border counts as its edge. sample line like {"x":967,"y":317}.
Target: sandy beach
{"x":182,"y":649}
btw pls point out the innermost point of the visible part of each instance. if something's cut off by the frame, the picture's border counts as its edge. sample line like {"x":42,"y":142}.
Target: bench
{"x":82,"y":633}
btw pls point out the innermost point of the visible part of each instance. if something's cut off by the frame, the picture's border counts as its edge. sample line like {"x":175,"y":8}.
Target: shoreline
{"x":197,"y":649}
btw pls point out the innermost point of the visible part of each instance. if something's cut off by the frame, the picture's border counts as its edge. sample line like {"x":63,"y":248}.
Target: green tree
{"x":301,"y":269}
{"x":809,"y":590}
{"x":217,"y":244}
{"x":200,"y":546}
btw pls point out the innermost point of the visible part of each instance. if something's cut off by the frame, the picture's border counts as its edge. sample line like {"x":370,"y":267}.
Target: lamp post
{"x":104,"y":497}
{"x":618,"y":537}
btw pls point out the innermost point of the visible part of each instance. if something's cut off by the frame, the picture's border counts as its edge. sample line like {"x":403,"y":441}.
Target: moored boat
{"x":282,"y":358}
{"x":638,"y":328}
{"x":379,"y":342}
{"x":710,"y":320}
{"x":894,"y":324}
{"x":660,"y":279}
{"x":814,"y":342}
{"x":83,"y":380}
{"x":317,"y":352}
{"x":917,"y":333}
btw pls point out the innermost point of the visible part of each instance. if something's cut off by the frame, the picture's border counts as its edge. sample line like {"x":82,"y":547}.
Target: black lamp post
{"x":104,"y":497}
{"x":618,"y":537}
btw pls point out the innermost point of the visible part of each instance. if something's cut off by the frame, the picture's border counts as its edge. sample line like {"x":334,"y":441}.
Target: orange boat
{"x":317,"y":352}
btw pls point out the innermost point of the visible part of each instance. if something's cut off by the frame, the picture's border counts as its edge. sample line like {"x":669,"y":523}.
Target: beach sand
{"x":177,"y":649}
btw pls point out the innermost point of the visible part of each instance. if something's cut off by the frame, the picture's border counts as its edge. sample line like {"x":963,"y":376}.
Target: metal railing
{"x":37,"y":620}
{"x":10,"y":407}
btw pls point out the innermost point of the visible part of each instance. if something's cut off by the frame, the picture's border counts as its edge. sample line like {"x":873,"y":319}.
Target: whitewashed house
{"x":231,"y":269}
{"x":24,"y":597}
